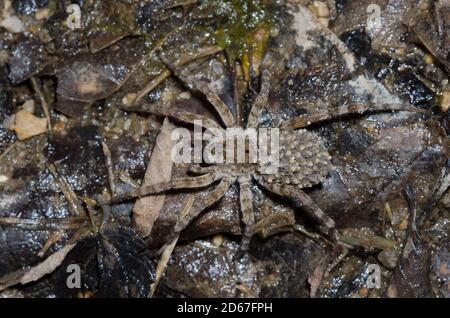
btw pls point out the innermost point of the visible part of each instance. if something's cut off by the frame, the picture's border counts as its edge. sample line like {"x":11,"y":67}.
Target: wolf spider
{"x":303,"y":159}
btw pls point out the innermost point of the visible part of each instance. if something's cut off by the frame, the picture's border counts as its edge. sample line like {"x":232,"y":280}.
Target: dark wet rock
{"x":405,"y":81}
{"x":19,"y":248}
{"x":5,"y":95}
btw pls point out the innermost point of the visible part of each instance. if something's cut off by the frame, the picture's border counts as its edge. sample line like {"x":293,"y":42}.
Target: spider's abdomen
{"x":303,"y":160}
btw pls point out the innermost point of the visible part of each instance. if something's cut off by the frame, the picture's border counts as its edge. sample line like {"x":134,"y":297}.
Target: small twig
{"x":302,"y":230}
{"x":106,"y":210}
{"x":125,"y":178}
{"x":37,"y":88}
{"x":52,"y":239}
{"x":151,"y":86}
{"x":69,"y":194}
{"x":336,"y":262}
{"x":44,"y":224}
{"x":109,"y":168}
{"x":388,"y":212}
{"x":91,"y":214}
{"x":357,"y":238}
{"x":180,"y":4}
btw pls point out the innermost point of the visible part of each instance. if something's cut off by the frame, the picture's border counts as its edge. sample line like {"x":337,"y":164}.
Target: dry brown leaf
{"x":27,"y":125}
{"x":315,"y":279}
{"x":146,"y":210}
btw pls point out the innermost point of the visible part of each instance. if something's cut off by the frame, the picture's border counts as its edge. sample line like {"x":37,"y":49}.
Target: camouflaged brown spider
{"x":303,"y":159}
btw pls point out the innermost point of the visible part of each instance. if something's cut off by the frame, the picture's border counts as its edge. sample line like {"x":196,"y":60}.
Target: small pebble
{"x":217,"y":240}
{"x":403,"y":224}
{"x":3,"y":178}
{"x":13,"y":24}
{"x":129,"y":99}
{"x":428,"y":59}
{"x":166,"y":96}
{"x":127,"y":125}
{"x":185,"y":95}
{"x":9,"y":122}
{"x":324,"y":22}
{"x":29,"y":106}
{"x":445,"y":102}
{"x":322,"y":9}
{"x":42,"y":14}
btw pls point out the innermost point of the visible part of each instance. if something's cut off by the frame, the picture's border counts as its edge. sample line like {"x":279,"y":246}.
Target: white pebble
{"x":322,"y":9}
{"x":13,"y":24}
{"x":29,"y":105}
{"x":185,"y":95}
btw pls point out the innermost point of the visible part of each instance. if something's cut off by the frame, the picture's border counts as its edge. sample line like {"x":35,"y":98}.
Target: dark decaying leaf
{"x":79,"y":156}
{"x":412,"y":276}
{"x":277,"y":267}
{"x":113,"y":264}
{"x":28,"y":58}
{"x":95,"y":77}
{"x":441,"y":269}
{"x":431,"y":23}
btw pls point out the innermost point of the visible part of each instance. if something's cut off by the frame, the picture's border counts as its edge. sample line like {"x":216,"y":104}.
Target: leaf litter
{"x":320,"y":60}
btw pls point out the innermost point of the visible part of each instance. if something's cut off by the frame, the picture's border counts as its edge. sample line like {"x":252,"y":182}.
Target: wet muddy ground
{"x":73,"y":129}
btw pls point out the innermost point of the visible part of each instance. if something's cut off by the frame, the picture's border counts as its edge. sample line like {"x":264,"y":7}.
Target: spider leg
{"x":245,"y":195}
{"x":178,"y":115}
{"x":202,"y":203}
{"x":198,"y":169}
{"x":315,"y":117}
{"x":300,"y":199}
{"x":261,"y":100}
{"x":168,"y":248}
{"x":179,"y":183}
{"x":221,"y":109}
